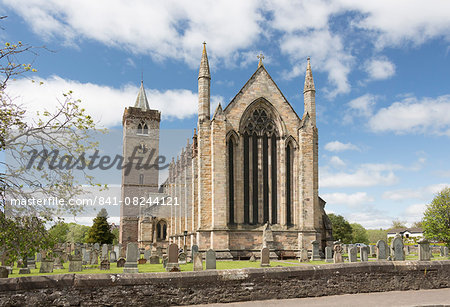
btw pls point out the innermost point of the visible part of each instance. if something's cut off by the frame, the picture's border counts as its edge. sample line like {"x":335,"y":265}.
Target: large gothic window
{"x":260,"y":168}
{"x":231,"y":179}
{"x":289,"y":176}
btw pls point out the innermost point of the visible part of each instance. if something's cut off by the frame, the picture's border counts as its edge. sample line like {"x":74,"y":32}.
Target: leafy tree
{"x":436,"y":220}
{"x":77,"y":233}
{"x":417,"y":224}
{"x":397,"y":224}
{"x":342,"y":230}
{"x":67,"y":128}
{"x":100,"y":232}
{"x":359,"y":234}
{"x":377,"y":234}
{"x":59,"y":232}
{"x":115,"y":232}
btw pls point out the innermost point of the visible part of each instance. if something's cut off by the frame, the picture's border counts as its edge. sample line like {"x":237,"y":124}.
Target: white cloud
{"x":414,"y":213}
{"x":337,"y":146}
{"x":371,"y":218}
{"x":379,"y":69}
{"x":428,"y":115}
{"x":366,"y":175}
{"x":105,"y":104}
{"x":351,"y":200}
{"x":424,"y":193}
{"x":337,"y":162}
{"x":360,"y":107}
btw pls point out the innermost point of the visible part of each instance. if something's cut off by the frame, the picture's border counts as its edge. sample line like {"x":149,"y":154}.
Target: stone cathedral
{"x":248,"y":178}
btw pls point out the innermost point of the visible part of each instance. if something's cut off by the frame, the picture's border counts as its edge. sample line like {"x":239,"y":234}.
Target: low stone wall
{"x":162,"y":289}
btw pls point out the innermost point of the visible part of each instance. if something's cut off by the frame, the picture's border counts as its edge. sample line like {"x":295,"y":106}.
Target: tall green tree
{"x":398,"y":224}
{"x":59,"y":232}
{"x":100,"y":232}
{"x":342,"y":230}
{"x":77,"y":233}
{"x":377,"y":234}
{"x":359,"y":234}
{"x":436,"y":220}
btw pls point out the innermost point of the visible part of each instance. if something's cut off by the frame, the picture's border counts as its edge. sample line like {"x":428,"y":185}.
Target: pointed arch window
{"x":142,"y":128}
{"x":289,"y":177}
{"x":231,"y":180}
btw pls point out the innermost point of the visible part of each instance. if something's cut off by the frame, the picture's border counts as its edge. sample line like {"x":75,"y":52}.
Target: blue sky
{"x":381,"y":70}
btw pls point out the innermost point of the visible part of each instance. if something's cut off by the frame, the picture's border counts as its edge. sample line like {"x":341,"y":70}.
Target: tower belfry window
{"x":142,"y":128}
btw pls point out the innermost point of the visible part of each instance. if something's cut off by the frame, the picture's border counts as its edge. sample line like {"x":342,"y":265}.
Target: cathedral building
{"x":248,"y":179}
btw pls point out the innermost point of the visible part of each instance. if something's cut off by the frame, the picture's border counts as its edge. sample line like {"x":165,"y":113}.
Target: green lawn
{"x":151,"y":268}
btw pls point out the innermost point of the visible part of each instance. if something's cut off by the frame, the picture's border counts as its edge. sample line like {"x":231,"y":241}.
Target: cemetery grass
{"x":149,"y":268}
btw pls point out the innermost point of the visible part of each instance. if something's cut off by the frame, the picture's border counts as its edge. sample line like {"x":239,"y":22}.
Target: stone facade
{"x":252,"y":166}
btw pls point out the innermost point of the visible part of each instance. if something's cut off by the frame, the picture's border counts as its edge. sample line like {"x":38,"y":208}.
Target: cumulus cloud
{"x":337,"y":146}
{"x":425,"y":193}
{"x":337,"y":162}
{"x":351,"y":200}
{"x":366,"y":175}
{"x":414,"y":213}
{"x":379,"y":69}
{"x":412,"y":115}
{"x":104,"y":103}
{"x":360,"y":107}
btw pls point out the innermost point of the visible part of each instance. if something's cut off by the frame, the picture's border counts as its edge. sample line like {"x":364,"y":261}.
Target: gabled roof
{"x":260,"y":69}
{"x":403,"y":230}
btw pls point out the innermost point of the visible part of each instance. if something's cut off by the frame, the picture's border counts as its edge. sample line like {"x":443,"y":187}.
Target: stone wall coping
{"x":184,"y":279}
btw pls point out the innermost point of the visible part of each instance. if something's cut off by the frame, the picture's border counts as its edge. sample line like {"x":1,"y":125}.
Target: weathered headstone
{"x":154,"y":259}
{"x":328,"y":254}
{"x":142,"y":261}
{"x":337,"y":257}
{"x":353,"y":254}
{"x":198,"y":261}
{"x":252,"y":258}
{"x":4,"y":272}
{"x":397,"y":246}
{"x":24,"y":271}
{"x":210,"y":259}
{"x":46,"y":266}
{"x":165,"y":259}
{"x":75,"y":264}
{"x":105,"y":265}
{"x":182,"y":258}
{"x":86,"y":257}
{"x":172,"y":260}
{"x":131,"y":265}
{"x":445,"y":251}
{"x":364,"y":253}
{"x":424,"y":250}
{"x":116,"y":249}
{"x":121,"y":263}
{"x":97,"y":247}
{"x":194,"y":250}
{"x":382,"y":250}
{"x":94,"y":257}
{"x":105,"y":252}
{"x":112,"y":256}
{"x":31,"y":262}
{"x":315,"y":251}
{"x":147,"y":254}
{"x":373,"y":250}
{"x":265,"y":259}
{"x":303,"y":255}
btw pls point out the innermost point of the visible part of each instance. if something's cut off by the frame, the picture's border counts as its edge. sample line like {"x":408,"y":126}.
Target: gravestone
{"x":328,"y":254}
{"x":198,"y":262}
{"x":441,"y":251}
{"x":364,"y":253}
{"x":86,"y":257}
{"x":142,"y":261}
{"x":337,"y":257}
{"x":105,"y":265}
{"x":172,"y":260}
{"x":424,"y":250}
{"x":182,"y":258}
{"x":373,"y":250}
{"x":147,"y":254}
{"x":4,"y":272}
{"x":154,"y":259}
{"x":97,"y":247}
{"x":210,"y":259}
{"x":265,"y":260}
{"x":94,"y":257}
{"x":315,"y":251}
{"x":46,"y":266}
{"x":353,"y":254}
{"x":116,"y":249}
{"x":445,"y":251}
{"x":112,"y":256}
{"x":121,"y":263}
{"x":165,"y":259}
{"x":31,"y":262}
{"x":57,"y":263}
{"x":131,"y":266}
{"x":397,"y":246}
{"x":252,"y":258}
{"x":105,"y":252}
{"x":75,"y":264}
{"x":382,"y":250}
{"x":194,"y":250}
{"x":303,"y":255}
{"x":24,"y":271}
